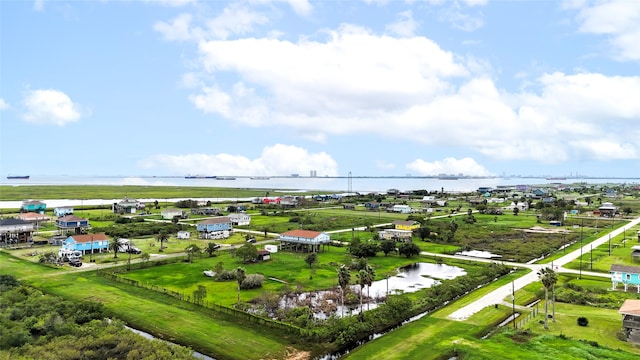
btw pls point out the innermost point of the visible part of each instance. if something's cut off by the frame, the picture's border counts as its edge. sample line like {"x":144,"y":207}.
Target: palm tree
{"x":344,"y":277}
{"x":549,"y":279}
{"x":115,"y":246}
{"x":162,"y":237}
{"x":211,"y":248}
{"x":370,"y":278}
{"x":191,"y":251}
{"x":240,"y":276}
{"x":362,"y":276}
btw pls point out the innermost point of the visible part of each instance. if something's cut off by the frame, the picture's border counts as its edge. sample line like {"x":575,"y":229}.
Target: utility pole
{"x":609,"y":244}
{"x":591,"y":258}
{"x":581,"y":231}
{"x":513,"y":303}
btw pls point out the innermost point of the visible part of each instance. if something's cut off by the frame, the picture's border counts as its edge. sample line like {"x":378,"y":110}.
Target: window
{"x":628,"y":276}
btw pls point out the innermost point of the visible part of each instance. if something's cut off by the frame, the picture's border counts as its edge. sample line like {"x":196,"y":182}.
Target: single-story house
{"x":403,"y":209}
{"x":264,"y":255}
{"x":627,"y":275}
{"x":349,"y":206}
{"x":33,"y":217}
{"x":14,"y":231}
{"x":206,"y":211}
{"x":183,"y":235}
{"x":608,"y":209}
{"x":429,"y":199}
{"x":72,"y":222}
{"x":169,"y":214}
{"x":372,"y":205}
{"x":240,"y":219}
{"x":630,"y":311}
{"x":405,"y":224}
{"x":33,"y":206}
{"x":87,"y":243}
{"x":304,"y":240}
{"x":215,"y":228}
{"x":289,"y":200}
{"x":61,"y":211}
{"x":395,"y":234}
{"x":127,"y":206}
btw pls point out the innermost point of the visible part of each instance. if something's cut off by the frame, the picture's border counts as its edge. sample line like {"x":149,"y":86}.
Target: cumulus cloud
{"x":4,"y":105}
{"x":358,"y":82}
{"x":405,"y":25}
{"x":171,"y":3}
{"x":49,"y":106}
{"x":451,"y":166}
{"x":617,"y":21}
{"x":275,"y":160}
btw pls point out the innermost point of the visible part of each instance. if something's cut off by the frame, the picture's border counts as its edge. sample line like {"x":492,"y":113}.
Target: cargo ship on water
{"x":199,"y":177}
{"x":18,"y":177}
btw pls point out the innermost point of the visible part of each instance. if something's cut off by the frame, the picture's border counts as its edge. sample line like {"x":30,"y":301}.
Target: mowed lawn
{"x":206,"y":331}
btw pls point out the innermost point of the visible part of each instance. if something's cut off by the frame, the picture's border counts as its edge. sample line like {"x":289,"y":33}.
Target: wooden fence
{"x":274,"y":324}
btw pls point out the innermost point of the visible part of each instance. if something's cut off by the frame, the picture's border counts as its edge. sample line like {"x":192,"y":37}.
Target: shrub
{"x":252,"y":281}
{"x":583,"y":321}
{"x":225,"y":275}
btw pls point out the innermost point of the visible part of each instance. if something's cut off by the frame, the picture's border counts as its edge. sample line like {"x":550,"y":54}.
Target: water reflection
{"x":414,"y":277}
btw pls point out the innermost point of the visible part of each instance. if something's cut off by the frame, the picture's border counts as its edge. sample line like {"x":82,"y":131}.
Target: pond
{"x":409,"y":278}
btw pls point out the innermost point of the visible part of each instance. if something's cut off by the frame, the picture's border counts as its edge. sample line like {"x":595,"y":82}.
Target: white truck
{"x":126,"y":246}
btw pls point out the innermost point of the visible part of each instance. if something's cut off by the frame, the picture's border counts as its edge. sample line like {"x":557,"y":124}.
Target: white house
{"x":240,"y":219}
{"x":169,"y":214}
{"x":403,"y":209}
{"x":183,"y":235}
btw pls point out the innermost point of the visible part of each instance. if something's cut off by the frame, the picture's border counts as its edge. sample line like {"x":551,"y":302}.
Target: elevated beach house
{"x":304,"y":240}
{"x":215,"y":228}
{"x":33,"y":206}
{"x":630,"y":311}
{"x":87,"y":243}
{"x":15,"y":231}
{"x":72,"y":223}
{"x":625,"y":275}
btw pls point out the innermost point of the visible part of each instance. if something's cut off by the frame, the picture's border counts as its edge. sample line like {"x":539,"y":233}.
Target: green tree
{"x":408,"y":249}
{"x":240,"y":276}
{"x":363,"y":280}
{"x":516,"y":210}
{"x":211,"y":248}
{"x":311,"y":259}
{"x":192,"y":250}
{"x":145,"y":257}
{"x":115,"y":247}
{"x":248,"y":252}
{"x":162,"y":237}
{"x":388,"y":246}
{"x":344,"y":278}
{"x":548,"y":277}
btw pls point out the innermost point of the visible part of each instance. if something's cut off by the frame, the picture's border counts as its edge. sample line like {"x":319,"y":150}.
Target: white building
{"x":240,"y":219}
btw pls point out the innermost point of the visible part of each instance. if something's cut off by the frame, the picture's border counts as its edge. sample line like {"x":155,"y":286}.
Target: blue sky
{"x":268,"y":87}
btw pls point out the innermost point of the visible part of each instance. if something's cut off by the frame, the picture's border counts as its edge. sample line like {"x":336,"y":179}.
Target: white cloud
{"x":4,"y":105}
{"x":235,"y":19}
{"x":405,"y":25}
{"x":617,"y":20}
{"x":356,"y":82}
{"x":50,"y":107}
{"x":171,"y":3}
{"x":275,"y":160}
{"x":179,"y":29}
{"x":462,"y":20}
{"x":451,"y":166}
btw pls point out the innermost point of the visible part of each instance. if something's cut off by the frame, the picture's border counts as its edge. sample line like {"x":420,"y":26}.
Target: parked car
{"x":75,"y":262}
{"x":252,"y":241}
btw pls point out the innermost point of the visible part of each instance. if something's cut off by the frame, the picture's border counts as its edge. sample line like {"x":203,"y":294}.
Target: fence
{"x":522,"y":321}
{"x":288,"y":328}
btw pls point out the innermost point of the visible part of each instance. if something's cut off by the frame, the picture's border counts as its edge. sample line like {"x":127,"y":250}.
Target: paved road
{"x":499,"y":294}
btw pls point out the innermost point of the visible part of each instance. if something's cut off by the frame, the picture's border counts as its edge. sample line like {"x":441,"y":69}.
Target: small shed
{"x":635,"y":253}
{"x":183,"y":235}
{"x":264,"y":255}
{"x":630,"y":311}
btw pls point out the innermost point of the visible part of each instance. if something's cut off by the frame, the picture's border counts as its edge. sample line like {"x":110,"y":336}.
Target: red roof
{"x":68,"y":218}
{"x":89,"y":237}
{"x":307,"y":234}
{"x":631,"y":307}
{"x":32,"y":216}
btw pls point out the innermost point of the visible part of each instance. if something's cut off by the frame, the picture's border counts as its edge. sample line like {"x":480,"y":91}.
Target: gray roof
{"x":13,"y":221}
{"x":625,"y":268}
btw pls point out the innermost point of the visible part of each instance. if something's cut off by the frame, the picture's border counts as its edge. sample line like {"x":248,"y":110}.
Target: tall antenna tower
{"x":350,"y":184}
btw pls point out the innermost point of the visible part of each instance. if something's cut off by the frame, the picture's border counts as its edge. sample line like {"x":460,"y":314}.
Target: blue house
{"x":627,"y":275}
{"x":33,"y":206}
{"x":87,"y":243}
{"x":62,"y":211}
{"x":214,"y":228}
{"x":72,"y":222}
